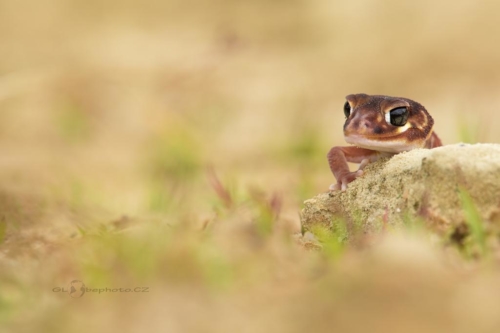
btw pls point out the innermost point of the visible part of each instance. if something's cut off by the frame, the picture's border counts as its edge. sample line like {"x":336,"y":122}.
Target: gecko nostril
{"x":377,"y":130}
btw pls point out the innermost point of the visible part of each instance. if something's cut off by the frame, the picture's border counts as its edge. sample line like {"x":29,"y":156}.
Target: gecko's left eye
{"x":347,"y":109}
{"x":397,"y":116}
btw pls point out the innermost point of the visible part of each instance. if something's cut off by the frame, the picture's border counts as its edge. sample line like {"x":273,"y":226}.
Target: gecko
{"x":379,"y":126}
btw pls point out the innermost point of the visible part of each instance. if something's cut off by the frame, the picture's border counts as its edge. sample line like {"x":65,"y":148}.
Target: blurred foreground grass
{"x":169,"y":145}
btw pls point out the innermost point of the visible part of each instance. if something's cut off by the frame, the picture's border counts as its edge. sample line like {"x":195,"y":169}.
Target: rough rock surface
{"x":422,"y":182}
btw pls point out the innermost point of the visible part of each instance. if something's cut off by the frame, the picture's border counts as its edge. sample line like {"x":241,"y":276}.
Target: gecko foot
{"x":346,"y":179}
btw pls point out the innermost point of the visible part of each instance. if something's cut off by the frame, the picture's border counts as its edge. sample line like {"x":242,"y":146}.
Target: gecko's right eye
{"x":397,"y":116}
{"x":347,"y":109}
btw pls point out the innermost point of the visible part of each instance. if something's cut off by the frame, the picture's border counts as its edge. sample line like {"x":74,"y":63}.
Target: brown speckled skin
{"x":373,"y":137}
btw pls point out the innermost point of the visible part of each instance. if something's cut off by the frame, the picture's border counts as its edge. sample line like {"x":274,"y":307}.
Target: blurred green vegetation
{"x":73,"y":123}
{"x":175,"y":156}
{"x":469,"y":131}
{"x":476,"y":242}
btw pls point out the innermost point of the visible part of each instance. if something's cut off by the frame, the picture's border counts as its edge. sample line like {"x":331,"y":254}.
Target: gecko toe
{"x":363,"y":164}
{"x":334,"y":187}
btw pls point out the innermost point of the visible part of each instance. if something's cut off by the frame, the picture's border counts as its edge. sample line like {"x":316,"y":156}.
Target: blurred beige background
{"x":123,"y":105}
{"x":116,"y":115}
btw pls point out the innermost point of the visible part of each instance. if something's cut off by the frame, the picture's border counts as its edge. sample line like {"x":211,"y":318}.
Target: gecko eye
{"x":347,"y":109}
{"x":397,"y":116}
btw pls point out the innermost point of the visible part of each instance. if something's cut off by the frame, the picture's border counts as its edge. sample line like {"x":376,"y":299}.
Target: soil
{"x":422,"y":183}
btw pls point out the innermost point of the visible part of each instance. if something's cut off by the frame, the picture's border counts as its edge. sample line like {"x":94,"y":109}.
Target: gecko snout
{"x":369,"y":128}
{"x":359,"y":126}
{"x":364,"y":125}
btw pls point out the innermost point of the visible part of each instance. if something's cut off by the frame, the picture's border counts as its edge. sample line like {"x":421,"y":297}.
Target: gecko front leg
{"x":338,"y":158}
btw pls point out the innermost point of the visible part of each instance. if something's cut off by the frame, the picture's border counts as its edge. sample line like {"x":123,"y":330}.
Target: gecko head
{"x":384,"y":123}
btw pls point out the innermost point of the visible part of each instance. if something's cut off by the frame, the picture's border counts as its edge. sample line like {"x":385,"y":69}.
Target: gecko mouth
{"x":391,"y":144}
